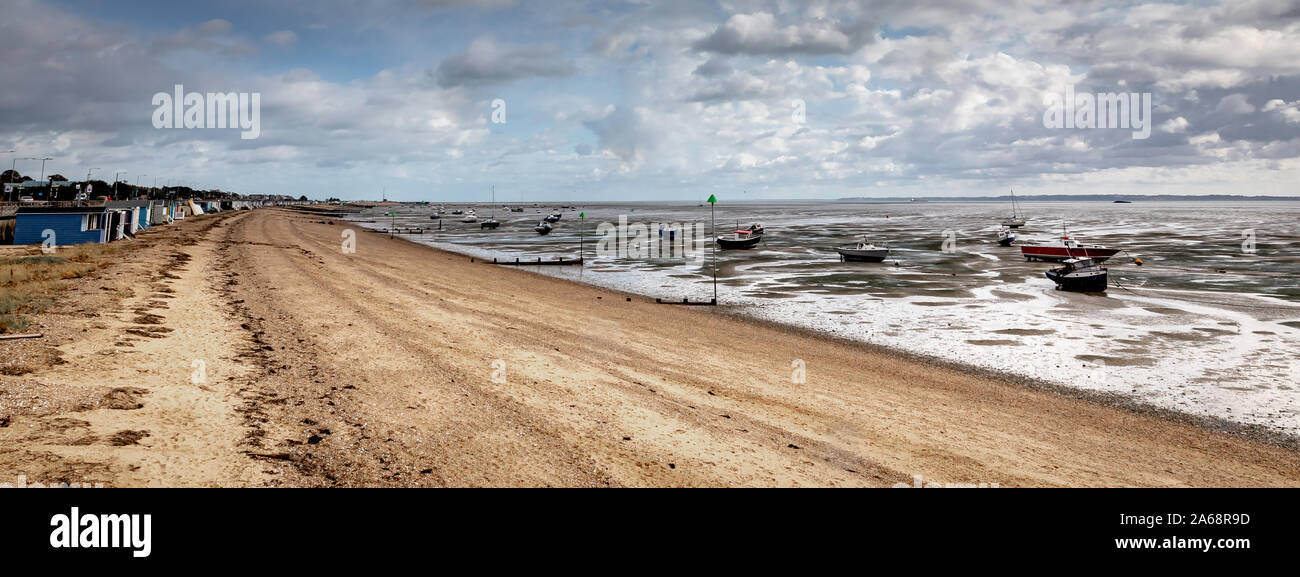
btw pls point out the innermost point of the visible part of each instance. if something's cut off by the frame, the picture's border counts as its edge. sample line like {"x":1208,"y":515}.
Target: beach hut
{"x":159,"y":213}
{"x":71,"y":225}
{"x":136,"y":214}
{"x":117,"y":224}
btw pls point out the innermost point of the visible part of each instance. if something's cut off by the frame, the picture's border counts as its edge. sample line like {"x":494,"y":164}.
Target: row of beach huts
{"x":80,"y":222}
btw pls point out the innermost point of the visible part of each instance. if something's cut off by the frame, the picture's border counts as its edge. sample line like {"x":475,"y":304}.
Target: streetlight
{"x":42,"y":165}
{"x":117,"y":176}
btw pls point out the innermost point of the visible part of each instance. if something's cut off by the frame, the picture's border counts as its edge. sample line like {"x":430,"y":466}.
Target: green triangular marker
{"x":582,"y":215}
{"x":713,"y":199}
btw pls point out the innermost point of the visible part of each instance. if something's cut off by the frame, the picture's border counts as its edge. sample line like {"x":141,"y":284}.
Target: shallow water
{"x":1203,"y":326}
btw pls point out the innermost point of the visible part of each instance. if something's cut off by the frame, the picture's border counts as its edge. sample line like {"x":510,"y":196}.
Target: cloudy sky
{"x":607,"y":100}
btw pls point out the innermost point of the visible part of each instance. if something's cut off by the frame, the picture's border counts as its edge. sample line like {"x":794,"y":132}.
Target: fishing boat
{"x":489,"y":223}
{"x":543,"y":228}
{"x":458,"y":212}
{"x":1079,"y":274}
{"x":1017,"y":219}
{"x":1066,"y":248}
{"x":470,"y":217}
{"x":554,"y":217}
{"x":1006,"y":236}
{"x":741,"y":240}
{"x":865,"y":251}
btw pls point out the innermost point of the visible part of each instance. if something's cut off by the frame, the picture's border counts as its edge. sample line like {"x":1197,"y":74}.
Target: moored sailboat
{"x":1017,"y":219}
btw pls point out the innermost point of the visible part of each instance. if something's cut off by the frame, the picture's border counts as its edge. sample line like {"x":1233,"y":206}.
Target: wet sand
{"x":402,"y":365}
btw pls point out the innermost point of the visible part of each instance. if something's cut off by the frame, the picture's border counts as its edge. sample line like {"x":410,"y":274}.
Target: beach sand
{"x":400,"y":365}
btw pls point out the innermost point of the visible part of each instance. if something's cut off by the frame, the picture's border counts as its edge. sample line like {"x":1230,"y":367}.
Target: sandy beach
{"x":248,"y":349}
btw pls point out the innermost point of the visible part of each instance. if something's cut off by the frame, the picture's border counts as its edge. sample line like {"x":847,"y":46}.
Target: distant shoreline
{"x":1080,"y":198}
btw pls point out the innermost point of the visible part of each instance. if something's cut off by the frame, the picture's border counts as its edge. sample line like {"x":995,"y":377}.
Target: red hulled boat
{"x":1064,"y":248}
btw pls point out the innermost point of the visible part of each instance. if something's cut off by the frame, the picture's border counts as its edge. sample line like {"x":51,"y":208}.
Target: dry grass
{"x":29,"y":281}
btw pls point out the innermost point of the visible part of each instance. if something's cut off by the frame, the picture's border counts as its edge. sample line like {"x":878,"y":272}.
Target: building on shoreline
{"x":70,"y":224}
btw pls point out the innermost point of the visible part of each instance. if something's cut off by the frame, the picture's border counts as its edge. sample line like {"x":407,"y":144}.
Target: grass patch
{"x":28,"y":282}
{"x":71,"y":262}
{"x":15,"y":302}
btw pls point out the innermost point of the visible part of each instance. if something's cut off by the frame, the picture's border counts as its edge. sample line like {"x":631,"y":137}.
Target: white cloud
{"x":1175,"y":125}
{"x":283,"y":38}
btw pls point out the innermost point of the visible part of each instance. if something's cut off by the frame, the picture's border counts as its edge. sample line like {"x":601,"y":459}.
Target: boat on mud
{"x":1006,"y":236}
{"x":864,"y":251}
{"x":1066,"y":248}
{"x":1080,"y":275}
{"x":1017,"y":219}
{"x":739,"y":241}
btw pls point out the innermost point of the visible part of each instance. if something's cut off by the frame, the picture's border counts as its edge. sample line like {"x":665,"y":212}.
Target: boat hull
{"x":1060,"y":253}
{"x":489,"y":224}
{"x":1008,"y":241}
{"x":1092,"y":283}
{"x":738,"y":244}
{"x":853,"y":255}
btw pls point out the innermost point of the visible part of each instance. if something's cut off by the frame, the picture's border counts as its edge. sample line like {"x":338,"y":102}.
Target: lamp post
{"x":713,"y":201}
{"x":43,"y":166}
{"x":12,"y":167}
{"x":117,"y":176}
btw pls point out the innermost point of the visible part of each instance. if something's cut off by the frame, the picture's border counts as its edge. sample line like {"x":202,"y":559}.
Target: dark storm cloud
{"x":762,"y":33}
{"x":487,"y":62}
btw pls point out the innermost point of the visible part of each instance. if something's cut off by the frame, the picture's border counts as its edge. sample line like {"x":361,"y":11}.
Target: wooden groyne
{"x":557,"y":262}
